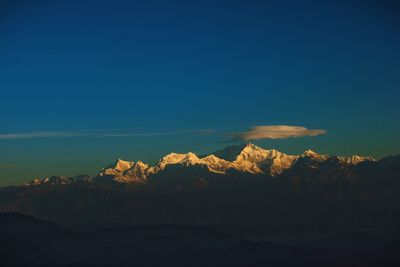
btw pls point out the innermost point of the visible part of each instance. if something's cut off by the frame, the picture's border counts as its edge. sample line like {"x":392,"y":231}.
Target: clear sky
{"x":83,"y":84}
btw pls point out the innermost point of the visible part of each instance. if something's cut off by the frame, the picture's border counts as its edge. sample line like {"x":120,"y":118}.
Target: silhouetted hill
{"x":22,"y":226}
{"x":32,"y":242}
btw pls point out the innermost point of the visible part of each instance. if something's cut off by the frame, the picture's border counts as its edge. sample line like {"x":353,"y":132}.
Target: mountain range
{"x":240,"y":205}
{"x":246,"y":159}
{"x":241,"y":187}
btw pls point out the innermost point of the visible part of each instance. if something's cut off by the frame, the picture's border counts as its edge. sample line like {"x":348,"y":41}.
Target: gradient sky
{"x":103,"y":80}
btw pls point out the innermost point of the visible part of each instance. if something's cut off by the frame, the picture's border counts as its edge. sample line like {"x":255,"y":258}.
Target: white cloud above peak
{"x":276,"y":132}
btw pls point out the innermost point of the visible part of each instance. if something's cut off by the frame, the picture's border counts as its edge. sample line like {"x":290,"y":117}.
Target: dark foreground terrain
{"x":27,"y":241}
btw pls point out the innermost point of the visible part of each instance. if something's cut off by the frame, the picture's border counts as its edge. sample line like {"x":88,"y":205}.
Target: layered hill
{"x":27,"y":241}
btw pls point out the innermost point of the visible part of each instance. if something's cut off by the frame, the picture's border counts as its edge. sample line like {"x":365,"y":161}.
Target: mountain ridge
{"x":245,"y":158}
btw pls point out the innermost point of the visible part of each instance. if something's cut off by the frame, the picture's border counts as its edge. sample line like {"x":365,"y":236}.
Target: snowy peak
{"x":122,"y":165}
{"x":117,"y":168}
{"x":176,"y":158}
{"x":277,"y":162}
{"x":216,"y":164}
{"x":188,"y":159}
{"x":255,"y":159}
{"x":126,"y":171}
{"x":242,"y":158}
{"x":252,"y":153}
{"x":249,"y":152}
{"x":355,"y":159}
{"x":60,"y":180}
{"x":313,"y":155}
{"x":309,"y":153}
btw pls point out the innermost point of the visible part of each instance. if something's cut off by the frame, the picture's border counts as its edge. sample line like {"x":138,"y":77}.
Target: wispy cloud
{"x":7,"y":165}
{"x":98,"y":134}
{"x":149,"y":134}
{"x":255,"y":133}
{"x":40,"y":135}
{"x":276,"y":132}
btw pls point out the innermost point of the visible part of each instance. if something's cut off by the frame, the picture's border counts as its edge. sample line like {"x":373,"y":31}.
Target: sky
{"x":83,"y":83}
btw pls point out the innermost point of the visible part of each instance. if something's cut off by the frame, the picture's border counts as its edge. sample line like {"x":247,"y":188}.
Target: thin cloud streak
{"x":149,"y":134}
{"x":7,"y":165}
{"x":96,"y":134}
{"x":40,"y":135}
{"x":276,"y":132}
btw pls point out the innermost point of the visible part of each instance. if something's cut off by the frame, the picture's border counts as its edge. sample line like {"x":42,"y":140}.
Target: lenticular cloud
{"x":277,"y":132}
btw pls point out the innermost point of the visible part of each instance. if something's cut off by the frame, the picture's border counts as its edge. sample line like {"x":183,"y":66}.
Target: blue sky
{"x":160,"y":72}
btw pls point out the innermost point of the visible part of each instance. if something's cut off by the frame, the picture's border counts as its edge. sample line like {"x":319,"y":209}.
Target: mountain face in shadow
{"x":31,"y":242}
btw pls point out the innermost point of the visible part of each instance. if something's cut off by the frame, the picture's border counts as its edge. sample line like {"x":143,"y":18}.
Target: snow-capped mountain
{"x":126,"y":172}
{"x":249,"y":158}
{"x":244,"y":184}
